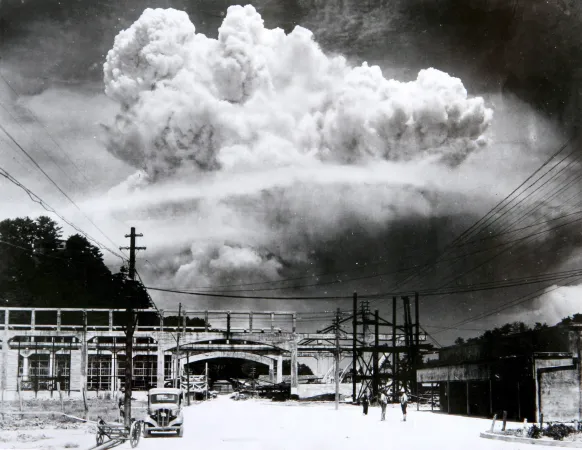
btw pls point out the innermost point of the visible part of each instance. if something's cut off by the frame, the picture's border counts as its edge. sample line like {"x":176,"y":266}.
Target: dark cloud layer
{"x":528,"y":48}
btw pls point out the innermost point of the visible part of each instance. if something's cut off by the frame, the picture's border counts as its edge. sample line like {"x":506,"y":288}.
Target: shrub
{"x":558,"y":431}
{"x":534,"y":432}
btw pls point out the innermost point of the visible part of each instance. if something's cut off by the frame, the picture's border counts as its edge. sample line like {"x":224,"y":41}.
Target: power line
{"x":54,"y":183}
{"x":35,"y":198}
{"x":45,"y":129}
{"x":518,"y":301}
{"x":478,"y":223}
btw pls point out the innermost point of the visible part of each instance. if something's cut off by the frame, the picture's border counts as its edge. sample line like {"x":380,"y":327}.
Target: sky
{"x":334,"y":143}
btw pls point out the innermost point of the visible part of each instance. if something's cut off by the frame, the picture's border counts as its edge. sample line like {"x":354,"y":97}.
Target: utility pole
{"x":177,"y":354}
{"x":354,"y":341}
{"x":337,"y":357}
{"x":130,"y":326}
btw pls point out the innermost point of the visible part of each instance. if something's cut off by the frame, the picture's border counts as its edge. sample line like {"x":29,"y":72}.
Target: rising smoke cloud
{"x":271,"y":150}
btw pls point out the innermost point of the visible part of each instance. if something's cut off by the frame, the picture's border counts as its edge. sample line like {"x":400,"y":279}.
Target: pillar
{"x":271,"y":371}
{"x":25,"y":364}
{"x":58,"y":320}
{"x":110,"y":320}
{"x":112,"y":376}
{"x":160,"y":367}
{"x":83,"y":377}
{"x":294,"y":374}
{"x":32,"y":319}
{"x":251,"y":322}
{"x":280,"y":369}
{"x":3,"y":369}
{"x":51,"y":363}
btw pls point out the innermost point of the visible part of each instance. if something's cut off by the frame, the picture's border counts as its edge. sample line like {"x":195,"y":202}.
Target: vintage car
{"x":164,"y":414}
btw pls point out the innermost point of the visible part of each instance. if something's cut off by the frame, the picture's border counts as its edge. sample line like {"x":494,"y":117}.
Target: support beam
{"x":280,"y":369}
{"x":160,"y":367}
{"x":354,"y":352}
{"x":395,"y":387}
{"x":294,"y":374}
{"x":4,"y":368}
{"x":58,"y":320}
{"x":251,"y":322}
{"x":84,"y":354}
{"x":375,"y":357}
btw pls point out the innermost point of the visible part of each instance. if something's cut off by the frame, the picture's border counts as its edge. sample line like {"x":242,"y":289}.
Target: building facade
{"x":531,"y":376}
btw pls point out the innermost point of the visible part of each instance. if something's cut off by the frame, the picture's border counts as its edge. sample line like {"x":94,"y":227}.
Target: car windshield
{"x":164,"y":398}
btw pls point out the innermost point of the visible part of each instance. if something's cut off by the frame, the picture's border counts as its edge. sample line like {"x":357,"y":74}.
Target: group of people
{"x":383,"y":401}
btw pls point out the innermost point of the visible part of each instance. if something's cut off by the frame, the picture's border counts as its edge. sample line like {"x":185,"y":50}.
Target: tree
{"x":40,"y":269}
{"x":174,"y":321}
{"x":459,"y":341}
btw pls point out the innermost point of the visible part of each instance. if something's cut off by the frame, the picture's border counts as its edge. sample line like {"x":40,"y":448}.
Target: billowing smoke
{"x":270,"y":155}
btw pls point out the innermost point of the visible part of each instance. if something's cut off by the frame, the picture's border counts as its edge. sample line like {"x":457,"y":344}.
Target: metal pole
{"x":337,"y":357}
{"x":354,"y":340}
{"x":394,"y":354}
{"x":206,"y":378}
{"x":188,"y":373}
{"x":375,"y":355}
{"x":177,"y":357}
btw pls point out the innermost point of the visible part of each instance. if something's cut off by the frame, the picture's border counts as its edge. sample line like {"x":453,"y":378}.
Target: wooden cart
{"x":112,"y":434}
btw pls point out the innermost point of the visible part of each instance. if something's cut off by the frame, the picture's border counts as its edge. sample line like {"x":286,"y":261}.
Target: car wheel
{"x":181,"y":432}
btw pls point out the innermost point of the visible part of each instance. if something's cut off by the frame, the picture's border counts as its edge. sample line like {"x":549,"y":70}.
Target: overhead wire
{"x":35,"y":198}
{"x":37,"y":120}
{"x":476,"y":225}
{"x":54,"y":183}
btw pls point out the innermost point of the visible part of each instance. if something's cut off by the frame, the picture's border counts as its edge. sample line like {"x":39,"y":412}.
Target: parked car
{"x":164,"y":413}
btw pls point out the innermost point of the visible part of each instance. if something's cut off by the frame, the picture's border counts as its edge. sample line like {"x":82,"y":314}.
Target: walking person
{"x":403,"y":403}
{"x":365,"y":404}
{"x":383,"y":404}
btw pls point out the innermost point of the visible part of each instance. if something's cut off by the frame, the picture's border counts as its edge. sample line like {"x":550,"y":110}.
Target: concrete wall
{"x":559,"y":394}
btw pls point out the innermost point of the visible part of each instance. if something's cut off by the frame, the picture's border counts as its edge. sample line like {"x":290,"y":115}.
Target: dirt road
{"x":262,"y":425}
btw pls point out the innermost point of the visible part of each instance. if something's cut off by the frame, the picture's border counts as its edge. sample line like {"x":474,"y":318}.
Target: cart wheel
{"x":134,"y":434}
{"x":99,"y":438}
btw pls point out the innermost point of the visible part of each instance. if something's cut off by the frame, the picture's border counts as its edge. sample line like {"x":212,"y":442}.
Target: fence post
{"x":504,"y":420}
{"x":493,"y":423}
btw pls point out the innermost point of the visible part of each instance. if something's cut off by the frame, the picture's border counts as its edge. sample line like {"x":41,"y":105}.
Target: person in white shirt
{"x":403,"y":403}
{"x":383,"y":404}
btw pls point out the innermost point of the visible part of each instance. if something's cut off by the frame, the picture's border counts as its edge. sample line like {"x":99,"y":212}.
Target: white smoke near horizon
{"x":267,"y":151}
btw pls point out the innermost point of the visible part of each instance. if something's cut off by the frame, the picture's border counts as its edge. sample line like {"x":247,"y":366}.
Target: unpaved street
{"x":259,"y":424}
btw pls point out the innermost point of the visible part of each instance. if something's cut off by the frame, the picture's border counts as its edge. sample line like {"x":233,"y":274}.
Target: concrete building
{"x":528,"y":375}
{"x":75,"y":350}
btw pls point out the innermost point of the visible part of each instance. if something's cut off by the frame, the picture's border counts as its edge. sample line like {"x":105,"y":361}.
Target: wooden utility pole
{"x":130,"y":326}
{"x":337,"y":357}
